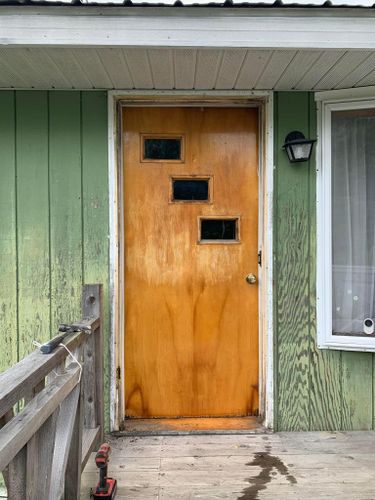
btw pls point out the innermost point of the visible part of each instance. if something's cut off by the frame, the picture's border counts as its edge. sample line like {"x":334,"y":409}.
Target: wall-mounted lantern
{"x":297,"y":147}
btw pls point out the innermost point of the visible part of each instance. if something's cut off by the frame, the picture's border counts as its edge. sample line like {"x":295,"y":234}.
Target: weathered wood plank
{"x":95,"y":209}
{"x":92,"y":300}
{"x":357,"y":403}
{"x":39,"y":459}
{"x":291,"y":279}
{"x":16,"y":476}
{"x":65,"y":207}
{"x":74,"y":464}
{"x":8,"y":257}
{"x":16,"y":382}
{"x":89,"y":385}
{"x":221,"y":467}
{"x":89,"y":439}
{"x":15,"y":434}
{"x":31,"y":469}
{"x":63,"y":441}
{"x":325,"y":365}
{"x":32,"y":219}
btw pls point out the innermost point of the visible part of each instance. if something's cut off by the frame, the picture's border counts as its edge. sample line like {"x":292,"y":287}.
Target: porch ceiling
{"x":187,"y":69}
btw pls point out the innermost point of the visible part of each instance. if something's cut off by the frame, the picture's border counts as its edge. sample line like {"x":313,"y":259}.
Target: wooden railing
{"x":45,"y":445}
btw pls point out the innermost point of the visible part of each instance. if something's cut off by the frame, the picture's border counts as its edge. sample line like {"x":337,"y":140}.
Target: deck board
{"x":306,"y":466}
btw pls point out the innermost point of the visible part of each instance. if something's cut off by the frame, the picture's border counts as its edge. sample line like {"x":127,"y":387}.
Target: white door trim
{"x":116,"y":236}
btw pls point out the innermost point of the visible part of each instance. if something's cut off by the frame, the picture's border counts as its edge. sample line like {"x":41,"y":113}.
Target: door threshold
{"x":191,"y":426}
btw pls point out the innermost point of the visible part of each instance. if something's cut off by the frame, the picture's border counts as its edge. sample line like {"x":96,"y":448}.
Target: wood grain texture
{"x":32,"y":220}
{"x":95,"y":210}
{"x":325,"y":365}
{"x":8,"y":261}
{"x":326,"y":466}
{"x":317,"y":389}
{"x":65,"y":431}
{"x":53,"y":228}
{"x":15,"y":434}
{"x":66,"y":206}
{"x":292,"y":271}
{"x":191,"y":343}
{"x":356,"y":391}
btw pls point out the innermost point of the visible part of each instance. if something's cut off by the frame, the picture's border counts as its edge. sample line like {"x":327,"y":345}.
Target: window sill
{"x":347,"y":343}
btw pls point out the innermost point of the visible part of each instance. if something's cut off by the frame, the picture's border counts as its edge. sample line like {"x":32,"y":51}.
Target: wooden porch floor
{"x":306,"y":466}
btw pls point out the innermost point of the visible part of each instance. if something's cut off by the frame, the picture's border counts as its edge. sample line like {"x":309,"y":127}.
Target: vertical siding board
{"x":325,"y":365}
{"x":32,"y":219}
{"x":8,"y":258}
{"x":65,"y":208}
{"x":292,"y":262}
{"x":95,"y":203}
{"x":276,"y":420}
{"x":356,"y":391}
{"x":317,"y":389}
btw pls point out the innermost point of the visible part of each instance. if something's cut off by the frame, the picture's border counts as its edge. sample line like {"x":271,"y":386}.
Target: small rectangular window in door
{"x":162,"y":148}
{"x":191,"y":189}
{"x":219,"y":230}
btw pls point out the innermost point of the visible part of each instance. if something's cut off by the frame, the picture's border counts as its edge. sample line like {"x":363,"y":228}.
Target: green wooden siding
{"x":54,"y":238}
{"x":315,"y":389}
{"x":54,"y":213}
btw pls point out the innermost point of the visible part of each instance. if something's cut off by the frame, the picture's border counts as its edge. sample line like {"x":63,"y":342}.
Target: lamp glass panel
{"x":301,"y":151}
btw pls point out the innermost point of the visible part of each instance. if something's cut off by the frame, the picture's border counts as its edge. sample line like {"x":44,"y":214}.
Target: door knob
{"x":251,"y":279}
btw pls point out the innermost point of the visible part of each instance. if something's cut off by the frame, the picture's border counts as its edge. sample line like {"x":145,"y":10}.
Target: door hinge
{"x":260,"y":257}
{"x":118,"y":373}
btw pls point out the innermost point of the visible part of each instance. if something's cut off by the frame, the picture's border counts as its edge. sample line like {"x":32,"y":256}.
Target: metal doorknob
{"x":251,"y":279}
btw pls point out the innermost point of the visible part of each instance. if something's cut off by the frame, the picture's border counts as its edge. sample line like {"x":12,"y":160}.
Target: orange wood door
{"x":191,"y":319}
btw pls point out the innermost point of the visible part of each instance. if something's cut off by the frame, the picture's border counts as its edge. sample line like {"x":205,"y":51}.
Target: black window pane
{"x":190,"y":189}
{"x":162,"y":149}
{"x":218,"y":229}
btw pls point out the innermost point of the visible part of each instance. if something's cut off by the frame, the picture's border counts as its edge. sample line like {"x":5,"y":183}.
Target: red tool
{"x":106,"y":487}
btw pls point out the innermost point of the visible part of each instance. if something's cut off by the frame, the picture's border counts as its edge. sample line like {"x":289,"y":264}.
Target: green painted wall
{"x":315,"y":389}
{"x":53,"y":213}
{"x":54,"y":238}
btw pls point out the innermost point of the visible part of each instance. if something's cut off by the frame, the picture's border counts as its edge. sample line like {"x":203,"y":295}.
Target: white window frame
{"x":327,"y":102}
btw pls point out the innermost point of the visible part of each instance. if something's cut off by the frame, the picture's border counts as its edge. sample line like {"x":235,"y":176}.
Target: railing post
{"x":93,"y":361}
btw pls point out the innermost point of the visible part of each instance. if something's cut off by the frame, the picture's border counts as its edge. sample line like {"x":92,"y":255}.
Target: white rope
{"x":37,"y":344}
{"x":75,"y":360}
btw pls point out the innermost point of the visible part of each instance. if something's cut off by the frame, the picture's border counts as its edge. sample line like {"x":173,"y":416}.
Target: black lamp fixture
{"x":297,"y":147}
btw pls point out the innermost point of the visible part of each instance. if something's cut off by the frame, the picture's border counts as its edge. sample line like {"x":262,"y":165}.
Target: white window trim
{"x":328,"y":102}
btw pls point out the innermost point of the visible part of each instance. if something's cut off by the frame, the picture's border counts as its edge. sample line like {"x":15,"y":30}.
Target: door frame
{"x":117,"y":100}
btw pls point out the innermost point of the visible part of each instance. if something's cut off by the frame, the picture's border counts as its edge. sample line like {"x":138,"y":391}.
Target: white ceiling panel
{"x":113,"y":61}
{"x":92,"y":66}
{"x":362,"y":70}
{"x":346,"y":65}
{"x":161,"y":62}
{"x":252,"y":67}
{"x":367,"y":80}
{"x":185,"y":63}
{"x":275,"y":68}
{"x":70,"y":67}
{"x":230,"y":67}
{"x":297,"y":69}
{"x":184,"y":69}
{"x":317,"y":70}
{"x":25,"y":65}
{"x":207,"y":66}
{"x":140,"y":68}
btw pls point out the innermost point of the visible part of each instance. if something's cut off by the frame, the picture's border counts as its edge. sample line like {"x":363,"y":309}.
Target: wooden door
{"x":191,"y":231}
